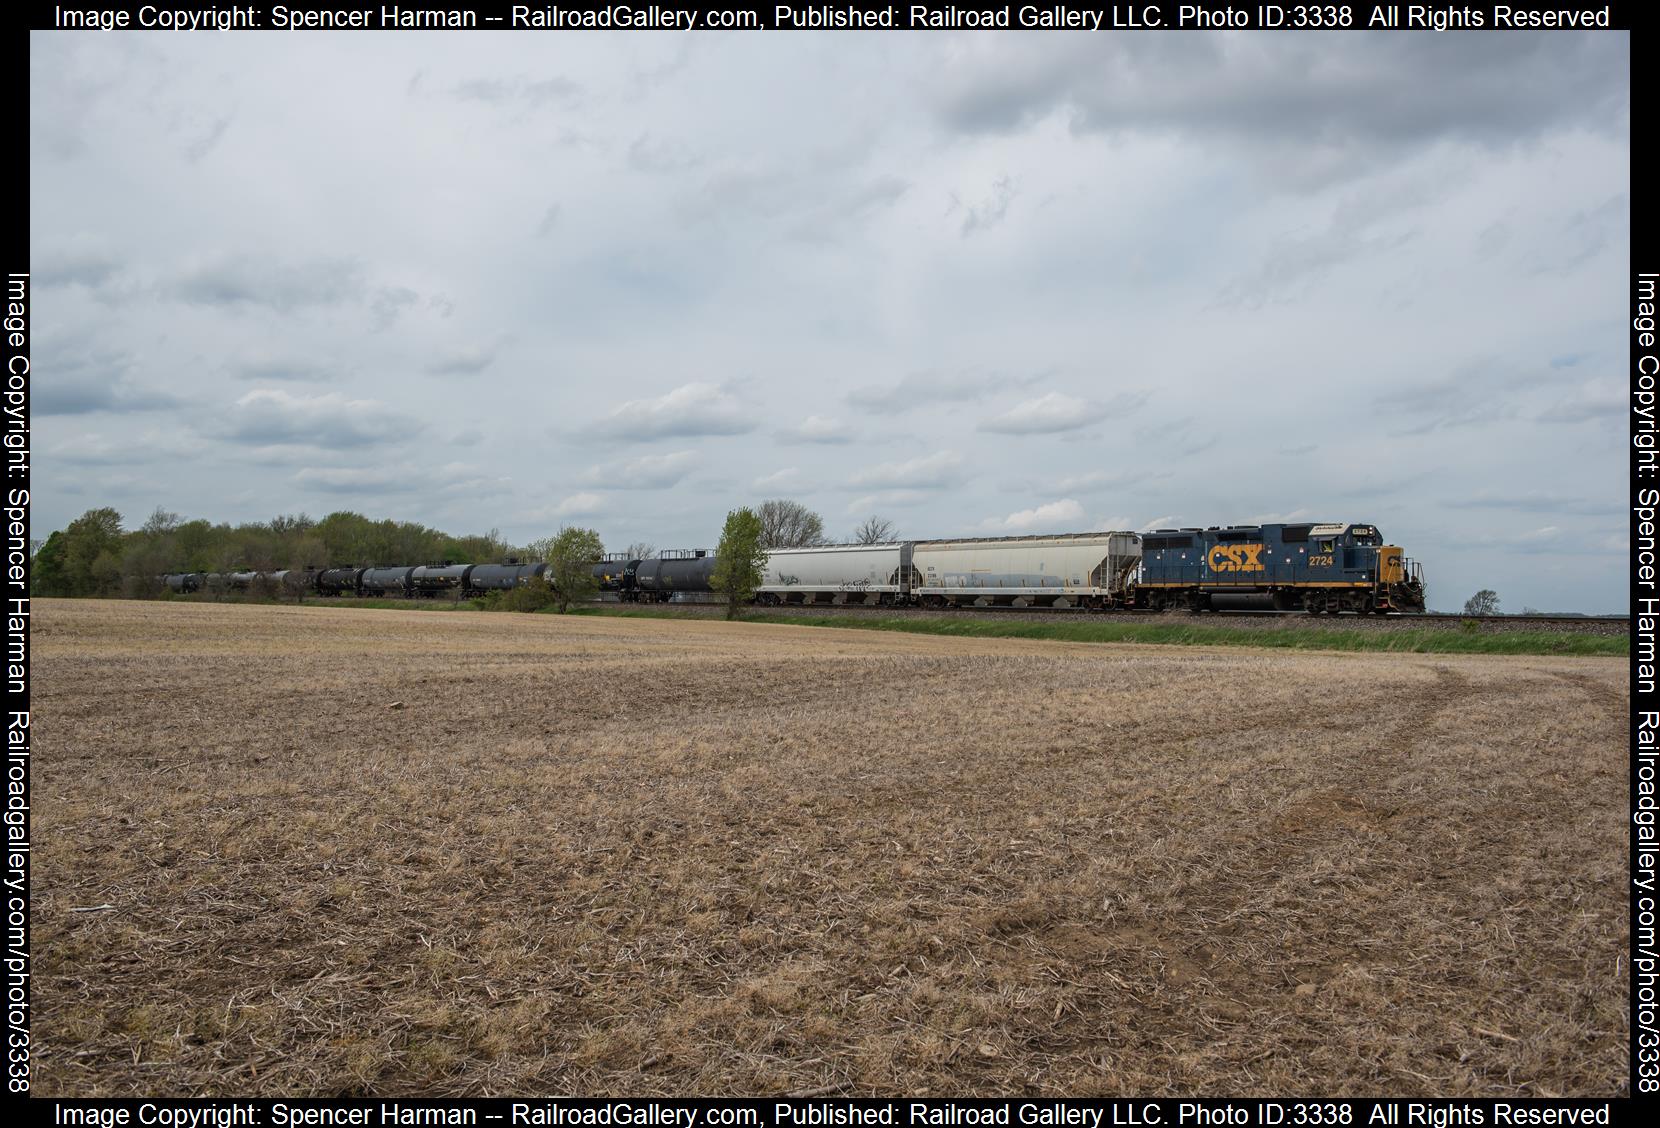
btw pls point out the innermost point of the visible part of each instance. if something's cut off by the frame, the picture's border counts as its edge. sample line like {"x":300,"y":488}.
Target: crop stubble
{"x":601,"y":855}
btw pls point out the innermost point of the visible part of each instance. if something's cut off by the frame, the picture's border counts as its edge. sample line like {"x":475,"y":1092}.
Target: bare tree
{"x":161,"y":522}
{"x":291,"y":524}
{"x":1483,"y":602}
{"x":788,"y":524}
{"x":874,"y":530}
{"x":640,"y":550}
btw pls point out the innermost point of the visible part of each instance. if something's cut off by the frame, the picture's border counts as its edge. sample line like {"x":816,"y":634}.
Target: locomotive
{"x":1317,"y":567}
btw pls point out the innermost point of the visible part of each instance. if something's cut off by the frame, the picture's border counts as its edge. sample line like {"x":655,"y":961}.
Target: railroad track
{"x":1599,"y":623}
{"x":1524,"y":618}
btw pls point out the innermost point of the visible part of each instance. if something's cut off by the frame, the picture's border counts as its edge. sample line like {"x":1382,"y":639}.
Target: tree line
{"x":95,"y":556}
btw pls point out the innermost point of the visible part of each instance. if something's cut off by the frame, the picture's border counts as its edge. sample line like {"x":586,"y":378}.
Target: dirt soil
{"x":332,"y":851}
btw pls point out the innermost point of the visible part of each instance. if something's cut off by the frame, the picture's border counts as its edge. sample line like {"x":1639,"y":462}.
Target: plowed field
{"x":331,"y":851}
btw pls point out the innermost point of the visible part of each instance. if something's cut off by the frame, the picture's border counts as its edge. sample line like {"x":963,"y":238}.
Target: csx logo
{"x":1236,"y":558}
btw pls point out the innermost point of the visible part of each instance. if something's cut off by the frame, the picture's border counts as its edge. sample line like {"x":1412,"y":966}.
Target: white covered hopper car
{"x":1072,"y":570}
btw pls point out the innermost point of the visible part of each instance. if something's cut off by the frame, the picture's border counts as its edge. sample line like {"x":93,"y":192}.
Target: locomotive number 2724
{"x":1317,"y":561}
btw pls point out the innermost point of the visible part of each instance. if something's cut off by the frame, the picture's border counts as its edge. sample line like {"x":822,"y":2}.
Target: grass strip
{"x":1408,"y":640}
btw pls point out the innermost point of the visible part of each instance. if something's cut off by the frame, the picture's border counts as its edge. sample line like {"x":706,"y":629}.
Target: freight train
{"x":1315,"y":567}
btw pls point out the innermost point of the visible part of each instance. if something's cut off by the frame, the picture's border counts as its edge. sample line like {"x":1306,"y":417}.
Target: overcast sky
{"x":973,"y":283}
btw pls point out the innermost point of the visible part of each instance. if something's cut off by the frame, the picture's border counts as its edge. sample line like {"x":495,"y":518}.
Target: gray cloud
{"x":208,"y":141}
{"x":1585,"y":234}
{"x":649,"y":472}
{"x":533,"y":93}
{"x":655,"y":155}
{"x":88,"y":379}
{"x":276,"y":417}
{"x":989,"y":212}
{"x":1055,"y":412}
{"x":284,"y":368}
{"x":90,"y":448}
{"x":451,"y":479}
{"x":883,"y":500}
{"x":1601,"y":400}
{"x":389,"y":303}
{"x":932,"y":471}
{"x":357,"y":481}
{"x":1095,"y":481}
{"x":691,"y":409}
{"x":810,"y":202}
{"x":1063,"y":516}
{"x":247,"y":280}
{"x":922,"y":389}
{"x":462,"y":362}
{"x":1336,"y":103}
{"x":77,"y":264}
{"x":818,"y":429}
{"x":1296,"y":262}
{"x":1534,"y":502}
{"x":1476,"y":393}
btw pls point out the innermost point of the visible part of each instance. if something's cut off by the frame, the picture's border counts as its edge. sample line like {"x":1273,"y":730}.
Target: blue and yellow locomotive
{"x":1320,"y":568}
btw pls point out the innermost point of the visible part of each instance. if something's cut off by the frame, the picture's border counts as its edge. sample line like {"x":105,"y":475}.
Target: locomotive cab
{"x":1366,"y":575}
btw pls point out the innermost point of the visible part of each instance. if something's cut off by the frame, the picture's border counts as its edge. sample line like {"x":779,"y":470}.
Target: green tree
{"x":740,"y":561}
{"x":83,"y":559}
{"x":144,"y":560}
{"x":50,"y":574}
{"x":1483,"y":602}
{"x":571,"y":557}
